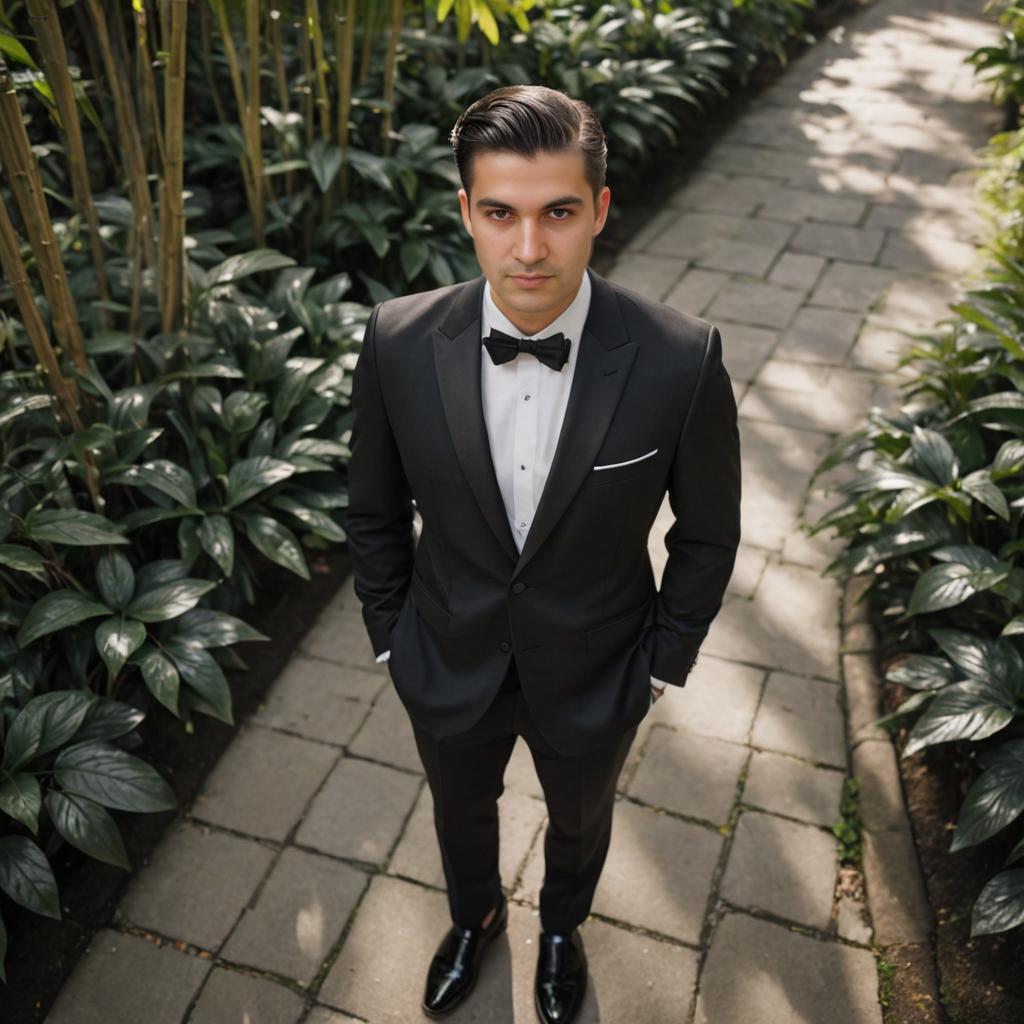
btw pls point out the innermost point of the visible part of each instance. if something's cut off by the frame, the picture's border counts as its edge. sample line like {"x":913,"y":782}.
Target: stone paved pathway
{"x":305,"y":884}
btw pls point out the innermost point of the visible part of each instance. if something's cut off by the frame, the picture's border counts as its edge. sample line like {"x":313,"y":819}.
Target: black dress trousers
{"x":466,"y":776}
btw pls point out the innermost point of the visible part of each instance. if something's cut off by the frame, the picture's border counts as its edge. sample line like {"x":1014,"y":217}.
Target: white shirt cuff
{"x":384,"y":656}
{"x":658,"y":684}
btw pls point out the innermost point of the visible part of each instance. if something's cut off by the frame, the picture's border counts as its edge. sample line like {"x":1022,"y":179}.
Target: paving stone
{"x":837,"y":409}
{"x":696,"y":289}
{"x":642,"y":883}
{"x":387,"y":735}
{"x":852,"y":286}
{"x":860,"y":684}
{"x":965,"y":224}
{"x":231,"y":997}
{"x":417,"y":855}
{"x":648,"y":275}
{"x":339,"y":635}
{"x":859,"y":245}
{"x":840,"y":176}
{"x":776,"y":782}
{"x":520,"y":773}
{"x":783,"y":867}
{"x":734,"y":255}
{"x":650,"y":231}
{"x":123,"y":977}
{"x":298,"y":915}
{"x":912,"y":251}
{"x":360,"y":811}
{"x":747,"y":570}
{"x":263,"y":782}
{"x":796,"y":270}
{"x":802,"y":717}
{"x":410,"y":920}
{"x":819,"y":550}
{"x":756,"y":161}
{"x":759,"y":971}
{"x":690,"y":236}
{"x":319,"y":700}
{"x":794,"y":376}
{"x":325,"y":1015}
{"x":819,"y":335}
{"x":756,"y":303}
{"x":916,"y":304}
{"x":172,"y":897}
{"x":851,"y":922}
{"x":797,"y":206}
{"x":745,"y":348}
{"x":737,"y":194}
{"x":671,"y":759}
{"x":899,"y":907}
{"x":878,"y":347}
{"x":881,"y":792}
{"x":768,"y":233}
{"x":719,"y":700}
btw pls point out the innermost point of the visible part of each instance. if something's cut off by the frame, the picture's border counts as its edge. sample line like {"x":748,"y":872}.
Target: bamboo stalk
{"x":344,"y":38}
{"x":63,"y":389}
{"x":129,"y":139}
{"x":281,"y":80}
{"x":369,"y":27}
{"x":149,"y":108}
{"x":390,"y":62}
{"x":323,"y":96}
{"x":211,"y":78}
{"x":251,"y":194}
{"x":22,"y":173}
{"x":43,"y":15}
{"x":254,"y":136}
{"x":172,"y":213}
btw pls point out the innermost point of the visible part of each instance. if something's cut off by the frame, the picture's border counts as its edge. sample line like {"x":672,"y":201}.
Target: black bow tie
{"x":552,"y":351}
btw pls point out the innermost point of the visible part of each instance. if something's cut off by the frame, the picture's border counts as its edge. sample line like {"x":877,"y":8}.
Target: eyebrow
{"x":498,"y":204}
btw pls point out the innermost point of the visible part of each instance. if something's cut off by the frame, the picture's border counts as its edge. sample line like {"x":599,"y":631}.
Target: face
{"x":533,"y":223}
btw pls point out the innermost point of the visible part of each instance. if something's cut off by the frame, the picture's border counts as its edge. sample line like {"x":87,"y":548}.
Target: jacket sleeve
{"x":379,"y":523}
{"x":704,"y":495}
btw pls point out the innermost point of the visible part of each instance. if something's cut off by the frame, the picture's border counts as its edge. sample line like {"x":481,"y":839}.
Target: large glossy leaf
{"x":115,"y":578}
{"x":218,"y":540}
{"x":46,"y":722}
{"x":107,"y":718}
{"x":970,"y":710}
{"x":277,"y":542}
{"x":165,"y":476}
{"x":87,"y":825}
{"x":995,"y":798}
{"x":117,"y":638}
{"x":56,"y":610}
{"x":72,"y":526}
{"x":21,"y":798}
{"x":934,"y":455}
{"x":922,"y":672}
{"x":21,"y":558}
{"x":980,"y":486}
{"x":236,"y":267}
{"x":26,"y":876}
{"x":250,"y":476}
{"x":160,"y":676}
{"x":1000,"y":905}
{"x":324,"y":162}
{"x":168,"y":600}
{"x":947,"y":585}
{"x":968,"y":651}
{"x":201,"y":672}
{"x":209,"y":628}
{"x":112,"y":777}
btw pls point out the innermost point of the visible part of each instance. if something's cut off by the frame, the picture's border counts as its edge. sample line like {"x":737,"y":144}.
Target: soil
{"x":42,"y":951}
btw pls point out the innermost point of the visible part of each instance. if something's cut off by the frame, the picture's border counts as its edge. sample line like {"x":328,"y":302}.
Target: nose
{"x":530,"y":247}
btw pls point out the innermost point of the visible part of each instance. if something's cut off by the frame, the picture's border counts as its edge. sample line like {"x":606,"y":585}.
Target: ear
{"x":464,"y":207}
{"x":604,"y":199}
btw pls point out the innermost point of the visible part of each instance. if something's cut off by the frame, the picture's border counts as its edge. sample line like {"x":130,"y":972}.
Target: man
{"x":535,"y":416}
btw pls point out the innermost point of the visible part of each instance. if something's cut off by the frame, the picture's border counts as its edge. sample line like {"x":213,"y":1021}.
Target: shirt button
{"x":526,"y":398}
{"x":522,"y":467}
{"x":505,"y":645}
{"x":523,"y":524}
{"x":518,"y":588}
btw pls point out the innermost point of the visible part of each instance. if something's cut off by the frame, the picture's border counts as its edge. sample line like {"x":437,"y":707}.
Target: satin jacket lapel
{"x":605,"y":357}
{"x":457,"y":349}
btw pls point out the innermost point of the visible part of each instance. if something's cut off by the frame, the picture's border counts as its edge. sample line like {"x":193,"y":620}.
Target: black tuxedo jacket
{"x":578,"y":608}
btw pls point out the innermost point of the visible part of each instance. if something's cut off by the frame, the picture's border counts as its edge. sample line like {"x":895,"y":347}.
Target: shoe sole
{"x":435,"y":1014}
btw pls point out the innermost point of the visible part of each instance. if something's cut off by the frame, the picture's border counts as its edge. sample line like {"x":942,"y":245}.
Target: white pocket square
{"x":628,"y":462}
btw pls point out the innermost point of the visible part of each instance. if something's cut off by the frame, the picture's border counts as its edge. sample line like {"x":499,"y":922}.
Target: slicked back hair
{"x":525,"y":119}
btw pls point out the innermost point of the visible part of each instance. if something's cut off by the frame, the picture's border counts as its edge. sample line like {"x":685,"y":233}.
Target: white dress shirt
{"x":524,"y":405}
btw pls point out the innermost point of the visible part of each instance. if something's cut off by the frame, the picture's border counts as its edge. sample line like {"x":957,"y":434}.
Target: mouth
{"x":529,"y":280}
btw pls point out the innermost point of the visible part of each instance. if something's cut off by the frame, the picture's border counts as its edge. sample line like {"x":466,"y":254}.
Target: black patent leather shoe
{"x":453,"y":970}
{"x":561,"y":980}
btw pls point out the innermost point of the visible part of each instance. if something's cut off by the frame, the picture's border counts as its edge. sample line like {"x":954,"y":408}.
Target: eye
{"x":493,"y":212}
{"x":562,"y":209}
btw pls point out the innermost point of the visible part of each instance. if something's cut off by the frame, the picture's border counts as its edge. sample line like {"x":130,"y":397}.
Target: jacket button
{"x":518,"y":588}
{"x":505,"y":645}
